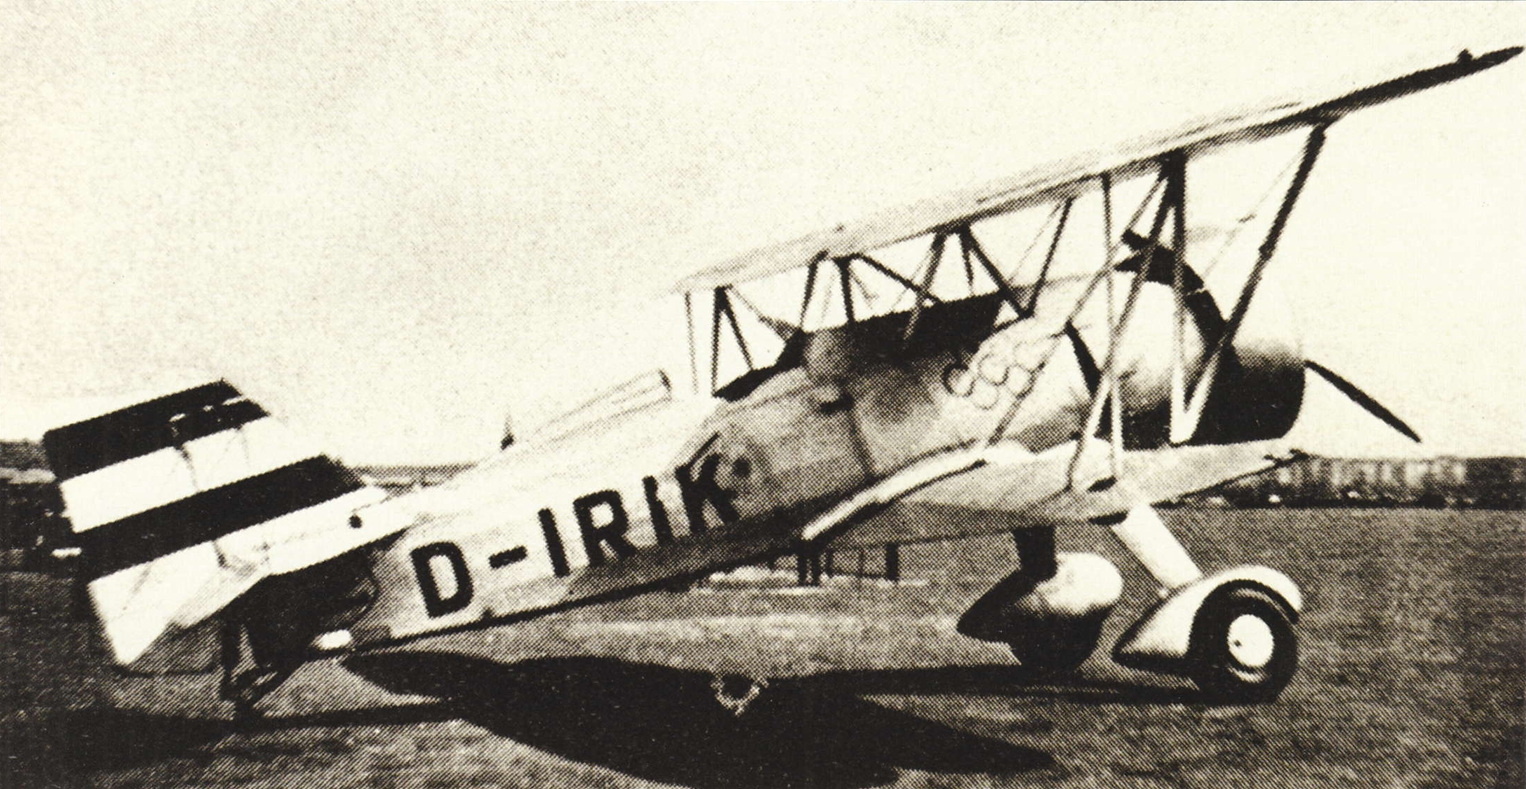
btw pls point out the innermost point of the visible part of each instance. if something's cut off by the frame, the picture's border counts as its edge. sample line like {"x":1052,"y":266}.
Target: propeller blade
{"x":1364,"y":400}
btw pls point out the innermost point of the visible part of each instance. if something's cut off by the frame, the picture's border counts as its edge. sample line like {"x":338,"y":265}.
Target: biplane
{"x":967,"y":395}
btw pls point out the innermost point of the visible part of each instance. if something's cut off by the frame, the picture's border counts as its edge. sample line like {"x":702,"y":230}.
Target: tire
{"x":1243,"y":649}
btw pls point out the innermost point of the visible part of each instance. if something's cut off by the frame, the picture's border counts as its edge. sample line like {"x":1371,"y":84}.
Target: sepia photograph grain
{"x":709,"y":395}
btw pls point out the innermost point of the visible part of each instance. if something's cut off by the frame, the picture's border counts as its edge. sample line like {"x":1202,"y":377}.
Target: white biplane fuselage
{"x":618,"y":504}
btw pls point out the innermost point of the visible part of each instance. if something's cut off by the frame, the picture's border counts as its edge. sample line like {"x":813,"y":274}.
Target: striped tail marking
{"x":183,"y":502}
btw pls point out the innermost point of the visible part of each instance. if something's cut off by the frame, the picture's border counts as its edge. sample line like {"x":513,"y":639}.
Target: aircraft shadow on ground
{"x":664,"y":724}
{"x":995,"y":680}
{"x":644,"y":720}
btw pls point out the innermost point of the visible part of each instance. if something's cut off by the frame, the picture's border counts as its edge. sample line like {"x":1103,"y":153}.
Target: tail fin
{"x":182,"y":503}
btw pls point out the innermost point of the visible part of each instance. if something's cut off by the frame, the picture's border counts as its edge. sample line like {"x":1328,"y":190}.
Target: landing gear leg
{"x":1145,"y":535}
{"x":254,"y":685}
{"x":229,"y":688}
{"x":1036,"y":556}
{"x":1062,"y":649}
{"x":1050,"y":612}
{"x":246,"y":688}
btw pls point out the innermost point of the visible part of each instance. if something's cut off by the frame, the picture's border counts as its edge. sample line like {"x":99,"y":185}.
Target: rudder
{"x":184,"y":502}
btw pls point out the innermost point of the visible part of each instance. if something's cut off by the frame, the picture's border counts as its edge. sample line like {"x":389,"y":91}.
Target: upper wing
{"x":1072,"y":177}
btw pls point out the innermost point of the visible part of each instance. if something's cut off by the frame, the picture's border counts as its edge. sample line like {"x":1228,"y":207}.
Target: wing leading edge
{"x":1069,"y":178}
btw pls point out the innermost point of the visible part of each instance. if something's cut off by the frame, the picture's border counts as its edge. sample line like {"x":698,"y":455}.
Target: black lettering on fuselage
{"x":661,"y":526}
{"x":611,"y":532}
{"x":554,"y":547}
{"x":697,"y":490}
{"x":503,"y":559}
{"x":423,"y":566}
{"x":612,"y":527}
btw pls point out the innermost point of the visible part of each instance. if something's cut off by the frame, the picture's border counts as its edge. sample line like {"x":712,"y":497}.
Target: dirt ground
{"x":1412,"y":651}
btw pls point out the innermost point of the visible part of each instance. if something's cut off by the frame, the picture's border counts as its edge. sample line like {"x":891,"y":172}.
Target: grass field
{"x":1412,"y":675}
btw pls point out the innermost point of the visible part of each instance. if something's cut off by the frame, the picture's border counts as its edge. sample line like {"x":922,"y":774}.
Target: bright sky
{"x":391,"y":223}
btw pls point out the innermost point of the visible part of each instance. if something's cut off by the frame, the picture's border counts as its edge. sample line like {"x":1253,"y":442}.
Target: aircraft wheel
{"x":1062,"y":650}
{"x":1244,"y":649}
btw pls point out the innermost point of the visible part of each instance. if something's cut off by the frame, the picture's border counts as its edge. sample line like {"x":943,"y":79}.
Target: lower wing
{"x":1001,"y":488}
{"x":951,"y":495}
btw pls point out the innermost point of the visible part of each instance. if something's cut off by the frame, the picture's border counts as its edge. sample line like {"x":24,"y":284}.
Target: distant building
{"x":1495,"y":483}
{"x":31,"y":512}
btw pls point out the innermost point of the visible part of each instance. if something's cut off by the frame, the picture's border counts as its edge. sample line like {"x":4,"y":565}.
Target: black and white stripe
{"x":138,"y":430}
{"x":183,"y":502}
{"x":177,"y":471}
{"x":211,"y":515}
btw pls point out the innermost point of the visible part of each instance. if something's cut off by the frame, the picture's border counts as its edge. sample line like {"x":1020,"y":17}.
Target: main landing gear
{"x":1242,"y":647}
{"x":1230,"y":632}
{"x":1050,"y":612}
{"x":280,"y":618}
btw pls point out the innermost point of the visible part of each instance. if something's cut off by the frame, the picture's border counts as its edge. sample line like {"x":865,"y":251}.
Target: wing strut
{"x":1075,"y":311}
{"x":934,"y":257}
{"x":780,"y":329}
{"x":715,"y":339}
{"x":810,"y":287}
{"x":847,"y":289}
{"x":1176,"y":194}
{"x":971,"y":247}
{"x":969,"y":270}
{"x":723,"y":302}
{"x":1183,"y":430}
{"x":1054,"y":245}
{"x":1311,"y":151}
{"x":922,"y":293}
{"x":1107,"y":394}
{"x":863,"y":290}
{"x":1170,"y":167}
{"x":693,"y":352}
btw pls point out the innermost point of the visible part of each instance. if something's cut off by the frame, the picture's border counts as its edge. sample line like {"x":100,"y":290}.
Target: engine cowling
{"x":1254,"y":393}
